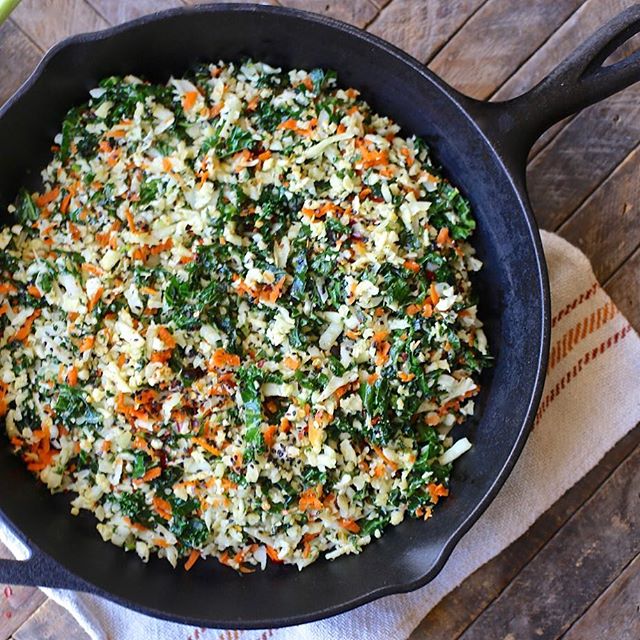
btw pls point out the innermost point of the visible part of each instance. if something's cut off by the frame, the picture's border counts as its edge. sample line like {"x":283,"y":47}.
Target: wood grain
{"x":582,"y":155}
{"x":422,"y":28}
{"x":624,"y":286}
{"x":574,"y":568}
{"x":16,"y":603}
{"x":616,"y":613}
{"x":358,"y":12}
{"x":473,"y":64}
{"x":46,"y":24}
{"x":457,"y":611}
{"x":51,"y":622}
{"x":116,"y":11}
{"x":586,"y":172}
{"x":19,"y":57}
{"x":591,"y":15}
{"x":606,"y":226}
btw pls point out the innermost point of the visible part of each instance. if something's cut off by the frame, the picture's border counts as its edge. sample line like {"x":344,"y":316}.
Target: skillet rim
{"x":515,"y":178}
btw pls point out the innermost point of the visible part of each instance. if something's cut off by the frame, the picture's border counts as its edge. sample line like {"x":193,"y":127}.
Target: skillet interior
{"x":512,"y":287}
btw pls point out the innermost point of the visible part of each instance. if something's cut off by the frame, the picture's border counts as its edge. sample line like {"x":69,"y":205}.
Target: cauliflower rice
{"x":237,"y":320}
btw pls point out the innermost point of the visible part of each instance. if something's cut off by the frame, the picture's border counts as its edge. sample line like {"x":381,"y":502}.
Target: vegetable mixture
{"x":237,"y":320}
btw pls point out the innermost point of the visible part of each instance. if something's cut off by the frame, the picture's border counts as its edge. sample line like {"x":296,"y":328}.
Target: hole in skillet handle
{"x":586,"y":76}
{"x":38,"y":570}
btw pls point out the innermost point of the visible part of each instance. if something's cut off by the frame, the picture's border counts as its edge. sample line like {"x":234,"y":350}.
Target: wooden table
{"x":576,"y":573}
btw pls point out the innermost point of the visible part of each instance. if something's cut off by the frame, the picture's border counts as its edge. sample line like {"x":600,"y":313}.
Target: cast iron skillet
{"x":483,"y":148}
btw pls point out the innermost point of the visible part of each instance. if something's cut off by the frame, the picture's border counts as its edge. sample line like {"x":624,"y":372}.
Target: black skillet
{"x":483,"y":148}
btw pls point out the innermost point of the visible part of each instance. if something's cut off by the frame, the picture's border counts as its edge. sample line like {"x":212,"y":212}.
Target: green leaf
{"x":26,"y":210}
{"x":73,"y":408}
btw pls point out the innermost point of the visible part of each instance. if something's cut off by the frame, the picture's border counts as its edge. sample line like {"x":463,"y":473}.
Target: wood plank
{"x":473,"y":64}
{"x":275,"y":2}
{"x":116,"y":11}
{"x":574,"y":568}
{"x":582,"y":155}
{"x":358,"y":12}
{"x":19,"y":57}
{"x":46,"y":24}
{"x":381,"y":3}
{"x":422,"y":28}
{"x":623,"y":287}
{"x":607,"y":226}
{"x":616,"y":613}
{"x":463,"y":605}
{"x":51,"y":622}
{"x":16,"y":603}
{"x":579,"y":26}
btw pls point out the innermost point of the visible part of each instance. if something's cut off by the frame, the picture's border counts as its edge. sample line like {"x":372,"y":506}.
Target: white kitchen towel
{"x":590,"y":400}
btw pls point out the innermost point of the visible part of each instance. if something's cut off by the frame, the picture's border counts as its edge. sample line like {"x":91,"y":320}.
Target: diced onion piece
{"x":453,"y":453}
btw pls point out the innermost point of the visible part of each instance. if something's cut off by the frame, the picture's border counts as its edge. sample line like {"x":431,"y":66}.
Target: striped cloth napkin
{"x":595,"y":354}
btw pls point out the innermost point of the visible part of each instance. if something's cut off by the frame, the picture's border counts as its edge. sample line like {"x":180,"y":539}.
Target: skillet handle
{"x":39,"y":570}
{"x":577,"y":82}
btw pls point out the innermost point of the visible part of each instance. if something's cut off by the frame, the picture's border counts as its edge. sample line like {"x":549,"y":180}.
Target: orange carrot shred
{"x":191,"y":560}
{"x":189,"y":100}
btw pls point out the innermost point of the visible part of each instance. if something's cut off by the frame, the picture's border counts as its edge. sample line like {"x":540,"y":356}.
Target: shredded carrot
{"x":308,"y":83}
{"x":189,"y":100}
{"x":427,"y":310}
{"x":64,"y":205}
{"x":24,"y":331}
{"x":46,"y":198}
{"x":406,"y":377}
{"x":221,"y":359}
{"x":191,"y":560}
{"x":291,"y":362}
{"x":412,"y":265}
{"x":292,"y":125}
{"x":379,"y":336}
{"x":380,"y":453}
{"x":73,"y":230}
{"x":7,"y":287}
{"x":92,"y":269}
{"x":161,"y":356}
{"x":162,"y":507}
{"x":269,"y":435}
{"x":87,"y":343}
{"x":306,"y":542}
{"x":95,"y":298}
{"x":159,"y":542}
{"x":166,"y":164}
{"x":3,"y":309}
{"x":159,"y":248}
{"x":383,"y":352}
{"x":443,"y":237}
{"x":350,"y":525}
{"x":433,"y":293}
{"x":206,"y":446}
{"x":407,"y":156}
{"x":309,"y":500}
{"x":152,"y":474}
{"x":436,"y":491}
{"x":32,"y":290}
{"x":130,"y":221}
{"x":252,"y":105}
{"x":141,"y":253}
{"x":432,"y":419}
{"x":72,"y":376}
{"x":166,"y":337}
{"x":273,"y":554}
